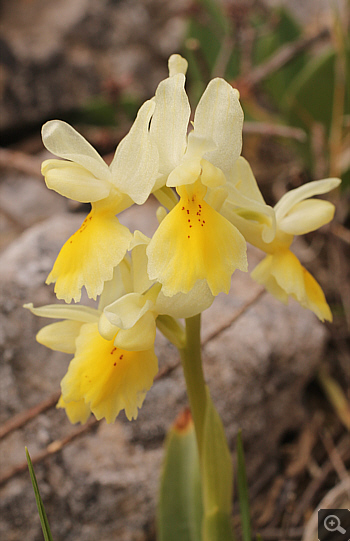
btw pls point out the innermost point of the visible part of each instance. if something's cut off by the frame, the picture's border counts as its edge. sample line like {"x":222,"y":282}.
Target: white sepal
{"x":74,"y":181}
{"x":219,"y":118}
{"x":84,"y":314}
{"x":64,"y":141}
{"x":60,"y":336}
{"x":170,"y":121}
{"x":135,"y":164}
{"x":307,"y":216}
{"x":291,"y":198}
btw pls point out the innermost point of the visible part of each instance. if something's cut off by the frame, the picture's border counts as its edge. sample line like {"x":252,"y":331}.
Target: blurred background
{"x":93,"y":64}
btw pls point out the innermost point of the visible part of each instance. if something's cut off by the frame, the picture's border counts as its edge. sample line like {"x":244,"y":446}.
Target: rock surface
{"x":56,"y":54}
{"x":103,"y":485}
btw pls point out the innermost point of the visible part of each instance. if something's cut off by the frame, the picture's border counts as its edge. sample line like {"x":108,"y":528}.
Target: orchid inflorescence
{"x":210,"y":207}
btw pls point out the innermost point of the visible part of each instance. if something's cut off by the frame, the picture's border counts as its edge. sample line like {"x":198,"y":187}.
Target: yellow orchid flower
{"x":273,"y":231}
{"x":194,"y":242}
{"x":89,"y":256}
{"x":102,"y":378}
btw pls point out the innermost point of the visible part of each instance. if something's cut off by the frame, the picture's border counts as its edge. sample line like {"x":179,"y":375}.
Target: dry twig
{"x":50,"y":450}
{"x":265,"y":128}
{"x":20,"y":420}
{"x":281,"y":58}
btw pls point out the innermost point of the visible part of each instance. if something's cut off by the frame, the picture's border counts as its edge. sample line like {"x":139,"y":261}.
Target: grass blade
{"x":43,"y":518}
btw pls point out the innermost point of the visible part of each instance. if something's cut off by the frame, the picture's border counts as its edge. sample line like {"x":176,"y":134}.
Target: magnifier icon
{"x":332,"y":524}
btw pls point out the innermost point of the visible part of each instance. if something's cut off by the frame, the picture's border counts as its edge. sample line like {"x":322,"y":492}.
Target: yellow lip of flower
{"x":283,"y":275}
{"x":194,"y":242}
{"x":89,"y":256}
{"x":106,"y":378}
{"x":77,"y":412}
{"x":102,"y":377}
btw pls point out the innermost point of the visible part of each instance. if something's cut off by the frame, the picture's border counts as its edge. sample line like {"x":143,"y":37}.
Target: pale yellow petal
{"x":127,"y":310}
{"x":177,"y":64}
{"x":118,"y":286}
{"x":84,"y":314}
{"x":77,"y":412}
{"x":141,"y":281}
{"x":244,"y":198}
{"x":184,"y":305}
{"x":89,"y":256}
{"x":64,"y":141}
{"x":242,"y":178}
{"x":60,"y":336}
{"x":194,"y":242}
{"x":219,"y":118}
{"x":307,"y":216}
{"x":74,"y":181}
{"x":135,"y":164}
{"x":139,"y":337}
{"x":291,"y":198}
{"x":106,"y":329}
{"x":186,"y":173}
{"x":170,"y":121}
{"x":211,"y":176}
{"x":106,"y":378}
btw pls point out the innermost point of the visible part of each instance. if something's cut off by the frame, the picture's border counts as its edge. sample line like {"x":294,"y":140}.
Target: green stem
{"x":193,"y":371}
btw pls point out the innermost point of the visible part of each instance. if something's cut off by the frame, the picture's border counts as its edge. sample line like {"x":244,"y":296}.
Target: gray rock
{"x":56,"y":54}
{"x":104,"y":484}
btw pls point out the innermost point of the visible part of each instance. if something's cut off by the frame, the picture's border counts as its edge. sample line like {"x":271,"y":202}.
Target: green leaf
{"x":243,"y":495}
{"x":285,"y":31}
{"x":310,"y":98}
{"x":180,"y":505}
{"x":217,"y":15}
{"x":217,"y":478}
{"x":43,"y":518}
{"x":217,"y":527}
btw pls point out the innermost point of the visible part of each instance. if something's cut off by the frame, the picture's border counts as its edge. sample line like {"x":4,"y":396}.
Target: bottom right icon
{"x":334,"y":525}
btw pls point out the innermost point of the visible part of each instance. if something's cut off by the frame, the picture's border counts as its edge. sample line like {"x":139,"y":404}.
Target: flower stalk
{"x":192,"y":366}
{"x":213,"y":452}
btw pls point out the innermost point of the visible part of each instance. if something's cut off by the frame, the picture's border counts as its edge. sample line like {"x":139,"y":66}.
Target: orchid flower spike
{"x":273,"y":231}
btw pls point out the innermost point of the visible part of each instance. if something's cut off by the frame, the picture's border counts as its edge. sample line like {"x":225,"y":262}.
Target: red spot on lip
{"x":188,"y":237}
{"x":113,"y":350}
{"x":183,"y":208}
{"x":188,"y":211}
{"x":115,"y":364}
{"x":121,"y":357}
{"x":188,"y":220}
